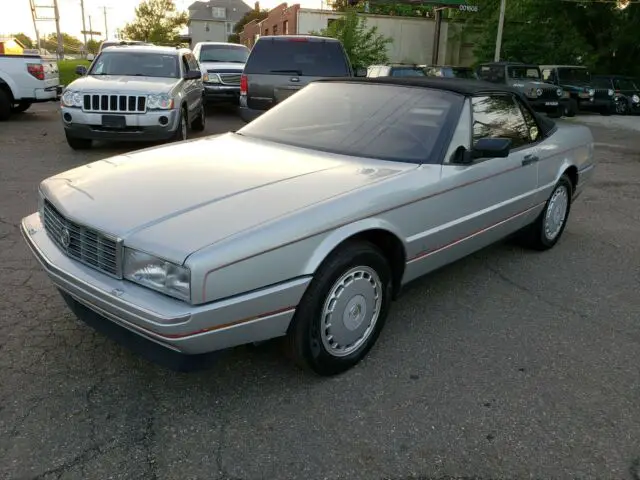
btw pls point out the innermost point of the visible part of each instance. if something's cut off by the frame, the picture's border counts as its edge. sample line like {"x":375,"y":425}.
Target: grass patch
{"x":67,"y":70}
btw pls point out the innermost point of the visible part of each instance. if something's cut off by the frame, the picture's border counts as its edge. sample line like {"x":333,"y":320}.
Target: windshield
{"x":574,"y":75}
{"x":223,"y":53}
{"x":601,"y":82}
{"x":525,"y":73}
{"x":624,"y":84}
{"x":140,"y":64}
{"x":386,"y":122}
{"x":407,"y":72}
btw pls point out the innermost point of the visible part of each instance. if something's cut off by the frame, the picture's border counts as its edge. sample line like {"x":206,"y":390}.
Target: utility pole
{"x":106,"y":30}
{"x":496,"y":56}
{"x":60,"y":43}
{"x":84,"y":29}
{"x":90,"y":29}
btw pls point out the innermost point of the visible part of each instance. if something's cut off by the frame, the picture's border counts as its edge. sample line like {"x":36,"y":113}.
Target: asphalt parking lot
{"x":508,"y":364}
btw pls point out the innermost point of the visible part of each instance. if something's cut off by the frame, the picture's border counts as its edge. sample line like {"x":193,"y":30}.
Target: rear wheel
{"x":5,"y":105}
{"x":21,"y":107}
{"x":78,"y":143}
{"x":343,"y":311}
{"x":547,"y":229}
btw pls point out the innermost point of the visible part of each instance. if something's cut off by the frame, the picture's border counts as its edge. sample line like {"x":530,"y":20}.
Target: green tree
{"x":24,"y":40}
{"x":257,"y":15}
{"x":71,"y":44}
{"x":93,"y":46}
{"x":157,"y":21}
{"x":364,"y":46}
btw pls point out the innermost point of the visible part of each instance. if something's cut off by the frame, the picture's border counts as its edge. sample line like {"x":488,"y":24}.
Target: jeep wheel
{"x":78,"y":143}
{"x":571,"y":109}
{"x":557,"y":113}
{"x":622,"y":106}
{"x":183,"y":126}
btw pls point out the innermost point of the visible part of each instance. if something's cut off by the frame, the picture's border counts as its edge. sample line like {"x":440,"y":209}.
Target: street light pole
{"x":496,"y":56}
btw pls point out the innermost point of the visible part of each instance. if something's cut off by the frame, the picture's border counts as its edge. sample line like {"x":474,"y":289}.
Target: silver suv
{"x":146,"y":93}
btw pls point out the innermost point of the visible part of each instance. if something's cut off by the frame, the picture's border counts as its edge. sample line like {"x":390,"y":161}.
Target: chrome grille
{"x":550,"y":93}
{"x":94,"y":102}
{"x":230,"y":78}
{"x":82,"y":243}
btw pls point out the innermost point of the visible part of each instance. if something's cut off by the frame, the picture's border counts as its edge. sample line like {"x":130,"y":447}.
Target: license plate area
{"x":114,"y":121}
{"x":551,"y":104}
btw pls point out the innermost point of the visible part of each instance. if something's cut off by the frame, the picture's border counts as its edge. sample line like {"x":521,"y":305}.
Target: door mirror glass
{"x":533,"y":133}
{"x":81,"y":70}
{"x":193,"y":75}
{"x":361,"y":72}
{"x":491,"y":148}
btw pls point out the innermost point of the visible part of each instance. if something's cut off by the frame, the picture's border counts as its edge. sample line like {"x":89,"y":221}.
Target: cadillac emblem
{"x":65,"y":237}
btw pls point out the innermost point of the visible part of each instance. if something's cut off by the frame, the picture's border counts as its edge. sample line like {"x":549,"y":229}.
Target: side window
{"x":499,"y":116}
{"x":548,"y":75}
{"x":185,"y":64}
{"x":532,"y":125}
{"x":193,"y":63}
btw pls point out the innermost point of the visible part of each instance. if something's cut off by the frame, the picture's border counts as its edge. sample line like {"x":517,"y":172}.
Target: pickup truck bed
{"x":25,"y":80}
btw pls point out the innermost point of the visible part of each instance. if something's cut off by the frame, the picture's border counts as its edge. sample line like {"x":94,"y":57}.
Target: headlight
{"x":539,"y":92}
{"x":592,"y":92}
{"x":213,"y":78}
{"x":72,"y":99}
{"x":157,"y":274}
{"x":159,"y":102}
{"x":610,"y":92}
{"x":635,"y":99}
{"x":559,"y":92}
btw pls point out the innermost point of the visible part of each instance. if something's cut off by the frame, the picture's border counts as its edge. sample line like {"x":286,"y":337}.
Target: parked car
{"x":306,"y":222}
{"x":145,"y":93}
{"x":542,"y":96}
{"x":222,"y":65}
{"x":583,"y":94}
{"x":449,"y":71}
{"x":25,"y":80}
{"x":121,"y":43}
{"x":280,"y":65}
{"x":395,"y":70}
{"x":626,"y":92}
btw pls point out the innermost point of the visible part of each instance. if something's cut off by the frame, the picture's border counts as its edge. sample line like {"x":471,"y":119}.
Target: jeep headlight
{"x":72,"y":99}
{"x":158,"y":274}
{"x":610,"y":92}
{"x":159,"y":102}
{"x":592,"y":92}
{"x":539,"y":92}
{"x":635,"y":99}
{"x":559,"y":92}
{"x":213,"y":78}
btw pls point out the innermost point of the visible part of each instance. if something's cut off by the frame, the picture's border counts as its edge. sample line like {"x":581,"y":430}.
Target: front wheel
{"x":572,"y":108}
{"x":183,"y":126}
{"x":606,"y":111}
{"x":343,"y":311}
{"x":622,"y":107}
{"x":547,"y":229}
{"x":200,"y":122}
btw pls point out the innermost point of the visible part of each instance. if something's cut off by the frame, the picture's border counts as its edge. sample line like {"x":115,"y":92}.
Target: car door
{"x":189,"y":86}
{"x":198,"y":86}
{"x":490,"y":197}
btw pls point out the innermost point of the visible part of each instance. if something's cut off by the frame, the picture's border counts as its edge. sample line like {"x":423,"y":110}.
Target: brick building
{"x":282,"y":20}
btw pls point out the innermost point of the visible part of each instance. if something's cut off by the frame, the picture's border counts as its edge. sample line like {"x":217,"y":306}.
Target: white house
{"x":213,"y":21}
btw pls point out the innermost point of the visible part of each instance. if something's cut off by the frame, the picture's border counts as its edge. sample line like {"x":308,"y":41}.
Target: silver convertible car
{"x":305,"y":223}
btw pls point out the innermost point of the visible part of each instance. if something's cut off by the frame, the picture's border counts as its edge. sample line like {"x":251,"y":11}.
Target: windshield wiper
{"x":297,"y":72}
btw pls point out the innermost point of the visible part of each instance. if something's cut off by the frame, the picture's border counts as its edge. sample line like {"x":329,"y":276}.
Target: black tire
{"x":21,"y":107}
{"x":305,"y":343}
{"x":606,"y":111}
{"x":78,"y":143}
{"x":622,"y":106}
{"x":200,"y":122}
{"x":535,"y":235}
{"x":181,"y":132}
{"x":556,"y":114}
{"x":5,"y":105}
{"x":572,"y":108}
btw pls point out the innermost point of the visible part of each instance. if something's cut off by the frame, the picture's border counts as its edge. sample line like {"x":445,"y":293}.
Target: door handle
{"x":529,"y":159}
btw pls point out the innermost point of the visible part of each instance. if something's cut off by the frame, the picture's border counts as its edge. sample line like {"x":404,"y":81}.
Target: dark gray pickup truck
{"x":280,"y":65}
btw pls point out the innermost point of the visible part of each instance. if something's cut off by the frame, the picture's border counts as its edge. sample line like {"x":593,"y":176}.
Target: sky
{"x":17,"y":18}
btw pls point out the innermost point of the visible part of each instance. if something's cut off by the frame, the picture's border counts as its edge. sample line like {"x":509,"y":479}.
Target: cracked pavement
{"x":507,"y":364}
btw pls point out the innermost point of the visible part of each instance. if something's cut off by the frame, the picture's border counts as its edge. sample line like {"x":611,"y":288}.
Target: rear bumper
{"x":140,"y":127}
{"x":249,"y":114}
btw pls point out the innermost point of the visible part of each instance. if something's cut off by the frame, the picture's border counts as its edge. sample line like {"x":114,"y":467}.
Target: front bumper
{"x":140,"y":126}
{"x":221,"y":93}
{"x":596,"y":104}
{"x":547,"y":104}
{"x":164,"y":321}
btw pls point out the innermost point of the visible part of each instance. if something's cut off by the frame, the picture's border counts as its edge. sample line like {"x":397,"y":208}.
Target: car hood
{"x":221,"y":66}
{"x":174,"y":200}
{"x":124,"y":84}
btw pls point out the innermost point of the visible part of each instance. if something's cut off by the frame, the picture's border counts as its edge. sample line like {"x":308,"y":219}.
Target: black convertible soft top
{"x":461,"y":86}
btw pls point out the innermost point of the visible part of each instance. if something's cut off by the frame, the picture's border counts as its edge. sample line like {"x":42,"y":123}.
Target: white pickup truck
{"x":25,"y":80}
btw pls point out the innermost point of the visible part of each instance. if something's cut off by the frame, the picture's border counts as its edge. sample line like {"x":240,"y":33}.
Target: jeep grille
{"x":115,"y":103}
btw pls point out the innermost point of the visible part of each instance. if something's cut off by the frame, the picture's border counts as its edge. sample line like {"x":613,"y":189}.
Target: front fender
{"x":331,"y":241}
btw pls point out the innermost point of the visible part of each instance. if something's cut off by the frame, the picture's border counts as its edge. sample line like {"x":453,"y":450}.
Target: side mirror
{"x":193,"y":75}
{"x":81,"y":70}
{"x":361,"y":72}
{"x":486,"y":148}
